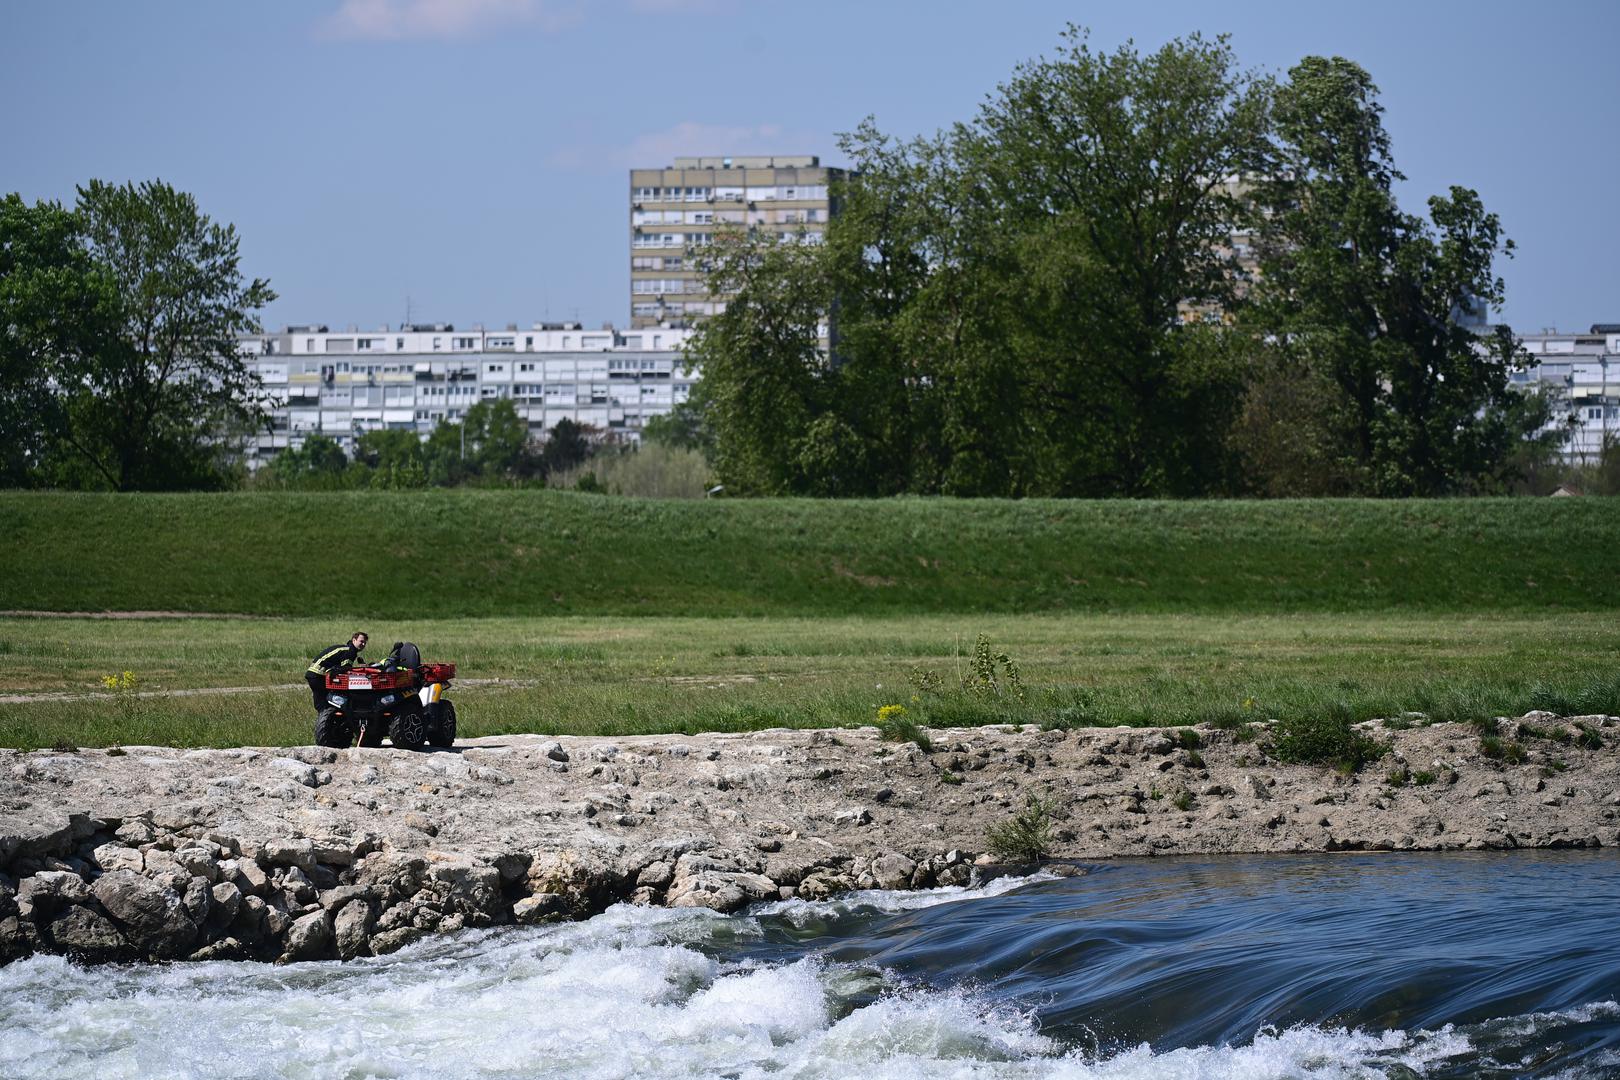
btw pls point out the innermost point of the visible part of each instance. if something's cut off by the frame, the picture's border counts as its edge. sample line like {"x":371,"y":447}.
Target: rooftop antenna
{"x":408,"y":319}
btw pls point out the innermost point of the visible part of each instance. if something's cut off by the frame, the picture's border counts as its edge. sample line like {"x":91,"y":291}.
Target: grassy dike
{"x":511,"y":553}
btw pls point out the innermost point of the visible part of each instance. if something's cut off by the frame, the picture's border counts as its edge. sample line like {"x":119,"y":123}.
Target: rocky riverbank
{"x":308,"y":853}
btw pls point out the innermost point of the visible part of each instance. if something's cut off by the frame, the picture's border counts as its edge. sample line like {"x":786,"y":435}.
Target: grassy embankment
{"x":1114,"y":612}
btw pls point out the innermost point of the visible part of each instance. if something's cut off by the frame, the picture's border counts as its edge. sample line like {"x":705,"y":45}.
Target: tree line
{"x":1130,"y":274}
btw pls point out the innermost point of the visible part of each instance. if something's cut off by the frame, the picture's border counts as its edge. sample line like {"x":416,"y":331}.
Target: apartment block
{"x":412,"y":378}
{"x":675,"y":212}
{"x":1582,"y":373}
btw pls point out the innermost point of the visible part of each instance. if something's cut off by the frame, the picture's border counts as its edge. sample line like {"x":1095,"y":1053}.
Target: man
{"x":337,"y":658}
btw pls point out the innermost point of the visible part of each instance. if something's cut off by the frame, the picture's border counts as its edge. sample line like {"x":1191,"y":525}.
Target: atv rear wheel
{"x":408,"y":730}
{"x":331,"y":729}
{"x":441,"y":728}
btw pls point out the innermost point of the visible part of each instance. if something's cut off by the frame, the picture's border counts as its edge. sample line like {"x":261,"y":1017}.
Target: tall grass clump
{"x":1325,"y":738}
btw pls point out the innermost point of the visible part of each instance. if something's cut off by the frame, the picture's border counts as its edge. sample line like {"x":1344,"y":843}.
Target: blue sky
{"x":471,"y":154}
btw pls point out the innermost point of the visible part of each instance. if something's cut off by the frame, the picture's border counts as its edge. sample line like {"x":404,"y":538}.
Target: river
{"x":1433,"y":965}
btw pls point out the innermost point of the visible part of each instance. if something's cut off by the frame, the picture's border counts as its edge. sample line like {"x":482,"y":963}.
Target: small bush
{"x":1397,"y":777}
{"x":948,"y":777}
{"x":1195,"y":760}
{"x":1423,"y":778}
{"x":982,"y":678}
{"x":1495,"y":748}
{"x":1590,"y":738}
{"x":1027,"y":837}
{"x":1183,"y":800}
{"x":1325,"y":739}
{"x":1189,"y":739}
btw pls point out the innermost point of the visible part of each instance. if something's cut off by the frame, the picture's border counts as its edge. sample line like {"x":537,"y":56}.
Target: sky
{"x":466,"y":160}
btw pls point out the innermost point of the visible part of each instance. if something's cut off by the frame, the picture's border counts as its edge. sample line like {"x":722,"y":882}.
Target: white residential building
{"x":1577,"y":369}
{"x":413,"y":377}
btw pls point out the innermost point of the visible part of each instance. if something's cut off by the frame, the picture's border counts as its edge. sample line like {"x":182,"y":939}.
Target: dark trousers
{"x":317,"y":689}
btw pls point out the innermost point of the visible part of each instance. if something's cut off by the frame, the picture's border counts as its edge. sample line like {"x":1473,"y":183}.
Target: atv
{"x":400,"y":697}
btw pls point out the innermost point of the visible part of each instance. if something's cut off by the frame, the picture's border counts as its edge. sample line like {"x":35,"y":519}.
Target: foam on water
{"x":641,"y":992}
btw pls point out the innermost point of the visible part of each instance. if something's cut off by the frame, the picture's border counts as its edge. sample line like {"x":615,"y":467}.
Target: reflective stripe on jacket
{"x":335,"y":658}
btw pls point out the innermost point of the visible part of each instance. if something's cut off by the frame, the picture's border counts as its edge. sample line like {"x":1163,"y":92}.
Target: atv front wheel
{"x":408,"y":730}
{"x":331,"y":729}
{"x":441,"y":729}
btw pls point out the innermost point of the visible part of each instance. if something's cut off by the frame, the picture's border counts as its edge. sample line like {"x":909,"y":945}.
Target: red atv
{"x":400,"y":697}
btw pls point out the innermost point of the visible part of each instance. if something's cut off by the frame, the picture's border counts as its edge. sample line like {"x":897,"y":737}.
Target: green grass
{"x":614,"y":675}
{"x":533,"y":553}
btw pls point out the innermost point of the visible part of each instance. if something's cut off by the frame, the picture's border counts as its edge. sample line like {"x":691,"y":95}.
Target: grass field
{"x":616,"y":675}
{"x":511,"y":553}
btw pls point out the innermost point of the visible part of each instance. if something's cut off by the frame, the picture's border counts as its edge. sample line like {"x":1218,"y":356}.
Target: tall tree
{"x":53,"y":307}
{"x":152,"y":403}
{"x":1371,"y":299}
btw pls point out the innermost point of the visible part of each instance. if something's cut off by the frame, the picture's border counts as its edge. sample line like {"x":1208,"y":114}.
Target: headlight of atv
{"x":337,"y":700}
{"x":389,"y":699}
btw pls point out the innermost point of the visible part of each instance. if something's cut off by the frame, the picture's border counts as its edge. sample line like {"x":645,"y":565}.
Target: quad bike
{"x":400,"y":697}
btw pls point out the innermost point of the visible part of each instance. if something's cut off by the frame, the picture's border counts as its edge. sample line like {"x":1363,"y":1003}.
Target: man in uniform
{"x":337,"y":658}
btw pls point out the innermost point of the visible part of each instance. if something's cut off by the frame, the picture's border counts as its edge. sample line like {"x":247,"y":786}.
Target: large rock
{"x":110,"y":857}
{"x":310,"y":938}
{"x":85,"y":935}
{"x":893,"y":871}
{"x":352,"y":929}
{"x":153,"y":919}
{"x":720,"y":891}
{"x":40,"y":897}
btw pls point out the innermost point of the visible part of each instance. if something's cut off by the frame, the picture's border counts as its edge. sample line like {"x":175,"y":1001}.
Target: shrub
{"x":1495,"y":748}
{"x":982,"y":679}
{"x":1590,"y":737}
{"x":948,"y":777}
{"x":1397,"y":777}
{"x":1423,"y":778}
{"x":1183,"y":800}
{"x":1325,"y":739}
{"x":1189,"y":739}
{"x":1195,"y":760}
{"x":1027,"y":836}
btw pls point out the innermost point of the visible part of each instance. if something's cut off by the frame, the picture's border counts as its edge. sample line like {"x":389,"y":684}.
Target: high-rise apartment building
{"x":675,"y":212}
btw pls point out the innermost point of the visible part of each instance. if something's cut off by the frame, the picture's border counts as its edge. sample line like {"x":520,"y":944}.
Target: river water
{"x":1434,"y":965}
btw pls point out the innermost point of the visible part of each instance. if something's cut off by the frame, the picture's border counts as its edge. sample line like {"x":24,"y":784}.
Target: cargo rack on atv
{"x":378,"y":678}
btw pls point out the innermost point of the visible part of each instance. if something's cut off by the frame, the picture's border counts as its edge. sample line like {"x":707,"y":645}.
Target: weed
{"x":116,"y":751}
{"x":1155,"y":794}
{"x":1398,"y":777}
{"x":1195,"y":760}
{"x":62,"y":746}
{"x":895,"y":725}
{"x":1027,"y":836}
{"x":1589,"y":738}
{"x":1423,"y":778}
{"x":1189,"y":739}
{"x":1495,"y":748}
{"x":1531,"y":731}
{"x":1183,"y":800}
{"x":948,"y":777}
{"x":981,"y":678}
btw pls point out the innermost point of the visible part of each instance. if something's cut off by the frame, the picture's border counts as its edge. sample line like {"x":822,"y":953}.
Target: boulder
{"x":153,"y":919}
{"x":86,"y":935}
{"x":41,"y":896}
{"x":892,"y":871}
{"x":351,"y":929}
{"x":310,"y":938}
{"x":541,"y":907}
{"x":110,"y":857}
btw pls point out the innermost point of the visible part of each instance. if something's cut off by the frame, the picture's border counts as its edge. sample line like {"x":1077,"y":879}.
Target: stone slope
{"x":309,"y":853}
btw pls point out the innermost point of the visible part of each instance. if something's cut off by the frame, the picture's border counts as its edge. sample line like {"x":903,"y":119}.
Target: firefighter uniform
{"x":337,"y":658}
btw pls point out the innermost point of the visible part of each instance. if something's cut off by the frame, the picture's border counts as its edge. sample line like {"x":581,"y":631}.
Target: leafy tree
{"x":762,"y":368}
{"x":318,"y":464}
{"x":1367,"y":297}
{"x":52,"y":308}
{"x":146,"y":386}
{"x":568,"y":445}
